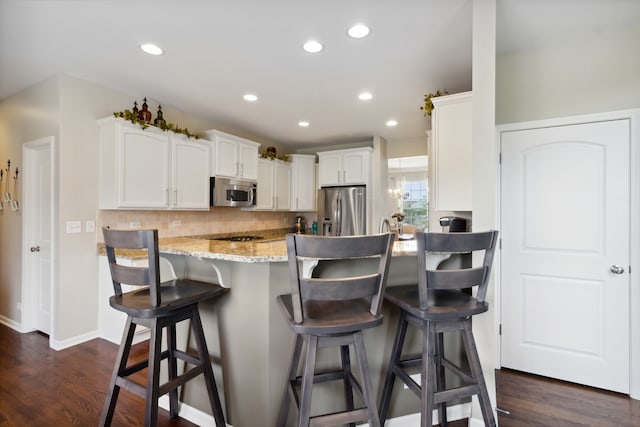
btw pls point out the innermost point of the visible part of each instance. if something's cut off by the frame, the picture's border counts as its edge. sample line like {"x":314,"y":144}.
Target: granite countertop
{"x":272,"y":248}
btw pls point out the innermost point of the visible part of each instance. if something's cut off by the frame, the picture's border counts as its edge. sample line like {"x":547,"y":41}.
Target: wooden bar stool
{"x":332,"y":312}
{"x":439,"y":303}
{"x":156,"y":306}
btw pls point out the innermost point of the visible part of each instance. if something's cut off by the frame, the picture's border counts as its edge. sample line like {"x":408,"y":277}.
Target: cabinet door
{"x":226,"y":157}
{"x":265,"y":190}
{"x":282,"y":184}
{"x":330,"y":169}
{"x":143,"y":169}
{"x":248,"y":161}
{"x":451,"y":131}
{"x":355,"y":168}
{"x":303,"y":189}
{"x":190,"y":178}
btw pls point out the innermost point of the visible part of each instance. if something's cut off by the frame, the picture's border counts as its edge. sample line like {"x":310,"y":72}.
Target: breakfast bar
{"x":247,"y":336}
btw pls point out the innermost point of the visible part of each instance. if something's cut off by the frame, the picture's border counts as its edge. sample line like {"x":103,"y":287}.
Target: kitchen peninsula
{"x":247,"y":336}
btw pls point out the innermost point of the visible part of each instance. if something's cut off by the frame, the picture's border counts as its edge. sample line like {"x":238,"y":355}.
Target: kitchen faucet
{"x":385,"y":226}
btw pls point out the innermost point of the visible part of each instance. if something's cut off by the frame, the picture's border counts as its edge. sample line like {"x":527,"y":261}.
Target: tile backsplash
{"x":189,"y":223}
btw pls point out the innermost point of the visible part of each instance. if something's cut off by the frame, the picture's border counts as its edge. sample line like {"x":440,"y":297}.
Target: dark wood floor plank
{"x":538,"y":401}
{"x":43,"y":387}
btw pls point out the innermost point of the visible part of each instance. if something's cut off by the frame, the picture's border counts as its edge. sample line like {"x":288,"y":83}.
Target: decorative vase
{"x":160,"y":121}
{"x":145,"y":114}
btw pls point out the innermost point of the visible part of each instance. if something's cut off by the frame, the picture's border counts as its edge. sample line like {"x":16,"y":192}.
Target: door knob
{"x":35,"y":248}
{"x":616,"y":269}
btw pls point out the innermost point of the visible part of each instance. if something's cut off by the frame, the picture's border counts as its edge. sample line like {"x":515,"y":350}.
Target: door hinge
{"x":500,"y":158}
{"x":500,"y":329}
{"x":500,"y":243}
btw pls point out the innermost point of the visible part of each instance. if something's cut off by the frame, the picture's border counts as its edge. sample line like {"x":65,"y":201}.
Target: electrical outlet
{"x":90,"y":226}
{"x":134,"y":224}
{"x":176,"y":223}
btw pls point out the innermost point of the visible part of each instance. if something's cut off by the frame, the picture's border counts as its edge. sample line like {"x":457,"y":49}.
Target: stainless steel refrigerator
{"x":342,"y":211}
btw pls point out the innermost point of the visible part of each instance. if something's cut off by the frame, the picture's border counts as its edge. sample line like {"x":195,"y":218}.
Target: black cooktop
{"x":239,"y":238}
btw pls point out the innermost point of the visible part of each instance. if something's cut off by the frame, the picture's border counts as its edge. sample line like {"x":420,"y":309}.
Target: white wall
{"x":485,"y":167}
{"x":27,"y":116}
{"x":588,"y":75}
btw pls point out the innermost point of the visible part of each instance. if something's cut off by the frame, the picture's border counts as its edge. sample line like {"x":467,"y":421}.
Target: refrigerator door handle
{"x":339,"y":216}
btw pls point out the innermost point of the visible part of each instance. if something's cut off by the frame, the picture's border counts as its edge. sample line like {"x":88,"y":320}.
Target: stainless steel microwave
{"x":232,"y":192}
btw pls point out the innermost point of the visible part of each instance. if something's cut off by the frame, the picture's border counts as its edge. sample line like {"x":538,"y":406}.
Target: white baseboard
{"x":189,"y":413}
{"x":11,"y":324}
{"x":454,"y":413}
{"x":78,"y":339}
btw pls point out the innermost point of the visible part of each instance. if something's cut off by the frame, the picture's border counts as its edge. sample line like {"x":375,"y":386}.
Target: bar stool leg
{"x":119,"y":366}
{"x":307,"y":381}
{"x":203,"y":354}
{"x":346,"y":374}
{"x":367,"y":392}
{"x":291,"y":378}
{"x":426,"y":376}
{"x":396,"y":352}
{"x":476,"y":372}
{"x":153,"y":375}
{"x":173,"y":370}
{"x":440,"y":379}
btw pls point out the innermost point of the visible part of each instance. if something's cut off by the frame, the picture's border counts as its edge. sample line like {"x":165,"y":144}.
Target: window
{"x":409,"y":190}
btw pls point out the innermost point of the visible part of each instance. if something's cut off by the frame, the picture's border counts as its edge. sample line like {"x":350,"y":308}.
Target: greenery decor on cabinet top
{"x":134,"y":118}
{"x":428,"y":104}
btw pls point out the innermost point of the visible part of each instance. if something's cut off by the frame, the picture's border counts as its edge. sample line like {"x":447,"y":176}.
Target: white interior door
{"x":565,"y":221}
{"x":38,"y":211}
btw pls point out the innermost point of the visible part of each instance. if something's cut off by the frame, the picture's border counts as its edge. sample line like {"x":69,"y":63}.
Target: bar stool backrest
{"x":455,"y":243}
{"x":301,"y":247}
{"x":136,"y":276}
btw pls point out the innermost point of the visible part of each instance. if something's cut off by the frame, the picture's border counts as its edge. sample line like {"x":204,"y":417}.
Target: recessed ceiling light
{"x":358,"y":31}
{"x":250,"y":97}
{"x":303,"y":124}
{"x":392,"y":123}
{"x":365,"y":96}
{"x":151,"y":49}
{"x":312,"y":46}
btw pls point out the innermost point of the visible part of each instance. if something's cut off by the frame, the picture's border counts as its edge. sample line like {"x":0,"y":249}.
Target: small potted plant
{"x":428,"y":104}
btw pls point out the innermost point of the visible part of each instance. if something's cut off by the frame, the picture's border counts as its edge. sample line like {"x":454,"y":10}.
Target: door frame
{"x":29,"y":290}
{"x":634,"y":250}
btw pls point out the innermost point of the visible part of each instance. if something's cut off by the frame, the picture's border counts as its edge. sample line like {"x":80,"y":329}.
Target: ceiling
{"x":218,"y":50}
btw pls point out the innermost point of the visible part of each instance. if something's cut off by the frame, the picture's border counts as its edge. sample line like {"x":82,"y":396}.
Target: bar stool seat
{"x":158,"y":306}
{"x":441,"y":302}
{"x":333,"y":312}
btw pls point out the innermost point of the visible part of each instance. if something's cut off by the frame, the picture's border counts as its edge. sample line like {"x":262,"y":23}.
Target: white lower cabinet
{"x":274,"y":185}
{"x":151,"y":169}
{"x":303,"y":185}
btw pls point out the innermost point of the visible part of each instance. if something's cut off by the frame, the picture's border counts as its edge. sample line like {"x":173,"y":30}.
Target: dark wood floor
{"x":44,"y":387}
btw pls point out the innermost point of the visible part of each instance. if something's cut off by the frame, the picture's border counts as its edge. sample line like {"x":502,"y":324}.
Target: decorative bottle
{"x":145,"y":114}
{"x":160,"y":121}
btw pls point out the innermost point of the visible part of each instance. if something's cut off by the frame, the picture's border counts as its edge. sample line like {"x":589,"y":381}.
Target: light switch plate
{"x":90,"y":226}
{"x":74,"y":227}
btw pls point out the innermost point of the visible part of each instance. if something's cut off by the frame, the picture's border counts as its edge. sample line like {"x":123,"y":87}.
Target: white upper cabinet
{"x":303,"y":186}
{"x":345,"y":167}
{"x":274,"y":185}
{"x":232,"y":156}
{"x":451,"y":133}
{"x":190,"y":160}
{"x":151,"y":169}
